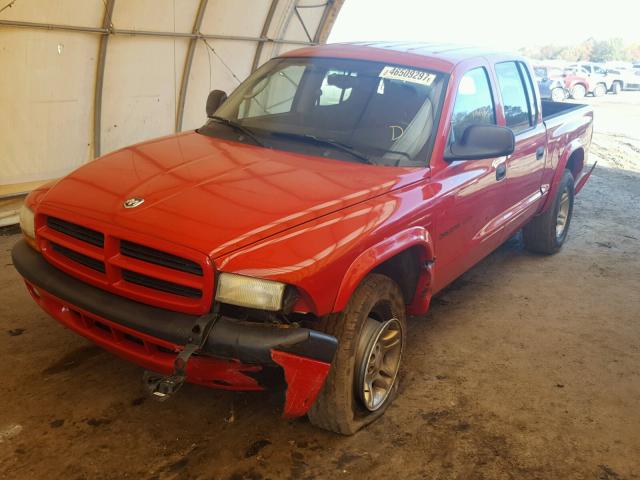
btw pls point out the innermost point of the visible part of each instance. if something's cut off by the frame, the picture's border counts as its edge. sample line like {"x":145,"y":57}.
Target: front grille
{"x":157,"y":257}
{"x":162,"y":285}
{"x":79,"y":258}
{"x":76,"y":231}
{"x":179,"y":280}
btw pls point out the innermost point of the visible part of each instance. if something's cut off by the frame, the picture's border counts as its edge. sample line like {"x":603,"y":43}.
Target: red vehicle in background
{"x":578,"y":83}
{"x":284,"y":243}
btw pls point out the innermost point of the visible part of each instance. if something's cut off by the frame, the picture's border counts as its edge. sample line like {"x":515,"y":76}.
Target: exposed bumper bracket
{"x":161,"y":387}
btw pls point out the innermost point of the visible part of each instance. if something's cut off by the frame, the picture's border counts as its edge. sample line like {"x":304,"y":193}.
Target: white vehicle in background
{"x":629,"y":76}
{"x":602,"y":80}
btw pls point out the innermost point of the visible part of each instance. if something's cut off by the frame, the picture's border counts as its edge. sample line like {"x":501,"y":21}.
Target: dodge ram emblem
{"x":133,"y":202}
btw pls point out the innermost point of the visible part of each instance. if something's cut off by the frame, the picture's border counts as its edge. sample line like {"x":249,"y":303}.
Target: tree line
{"x":591,"y":50}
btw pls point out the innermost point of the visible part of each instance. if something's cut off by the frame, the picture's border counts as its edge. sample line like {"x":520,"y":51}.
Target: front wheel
{"x":363,"y":380}
{"x":547,"y":232}
{"x":578,"y":91}
{"x":600,"y":90}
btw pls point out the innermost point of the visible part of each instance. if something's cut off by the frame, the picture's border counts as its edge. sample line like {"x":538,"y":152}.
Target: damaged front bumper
{"x":237,"y":355}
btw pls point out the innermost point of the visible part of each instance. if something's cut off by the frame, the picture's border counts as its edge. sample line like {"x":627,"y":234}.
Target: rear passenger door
{"x":525,"y":166}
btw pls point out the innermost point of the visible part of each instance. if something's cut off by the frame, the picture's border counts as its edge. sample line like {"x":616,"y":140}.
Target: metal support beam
{"x":97,"y":98}
{"x":285,"y":26}
{"x":323,"y":19}
{"x":188,"y":63}
{"x":147,"y":33}
{"x":302,"y":24}
{"x":263,"y":34}
{"x":52,"y":26}
{"x":329,"y":16}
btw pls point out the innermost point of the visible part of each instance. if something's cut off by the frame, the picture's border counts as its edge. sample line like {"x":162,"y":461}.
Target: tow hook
{"x":162,"y":387}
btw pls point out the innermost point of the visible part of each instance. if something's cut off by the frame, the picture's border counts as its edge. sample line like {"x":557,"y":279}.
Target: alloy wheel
{"x":378,"y":361}
{"x":563,"y":213}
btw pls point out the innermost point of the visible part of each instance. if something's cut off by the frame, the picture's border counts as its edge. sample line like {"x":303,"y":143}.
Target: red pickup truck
{"x":283,"y":244}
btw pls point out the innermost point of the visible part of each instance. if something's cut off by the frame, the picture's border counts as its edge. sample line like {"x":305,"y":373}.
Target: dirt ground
{"x":527,"y":367}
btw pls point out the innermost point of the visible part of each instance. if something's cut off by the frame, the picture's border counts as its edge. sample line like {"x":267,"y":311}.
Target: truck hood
{"x":216,"y":195}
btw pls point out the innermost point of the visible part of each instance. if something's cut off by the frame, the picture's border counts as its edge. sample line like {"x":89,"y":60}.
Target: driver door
{"x":469,"y":222}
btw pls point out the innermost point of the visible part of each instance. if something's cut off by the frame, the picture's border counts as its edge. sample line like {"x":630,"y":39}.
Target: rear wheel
{"x":600,"y":90}
{"x":558,"y":94}
{"x":616,"y":88}
{"x":547,"y":232}
{"x":363,"y":380}
{"x":578,"y":91}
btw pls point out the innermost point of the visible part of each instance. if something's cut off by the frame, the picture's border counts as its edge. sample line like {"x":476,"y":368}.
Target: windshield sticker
{"x":407,"y":75}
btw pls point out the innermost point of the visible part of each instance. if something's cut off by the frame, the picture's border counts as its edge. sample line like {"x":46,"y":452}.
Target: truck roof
{"x":439,"y":56}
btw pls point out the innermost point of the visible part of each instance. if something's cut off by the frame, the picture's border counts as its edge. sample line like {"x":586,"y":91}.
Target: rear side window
{"x":474,"y":103}
{"x":514,"y":96}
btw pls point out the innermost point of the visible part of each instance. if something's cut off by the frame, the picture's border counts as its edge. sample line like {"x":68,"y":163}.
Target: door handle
{"x":501,"y":171}
{"x":539,"y":153}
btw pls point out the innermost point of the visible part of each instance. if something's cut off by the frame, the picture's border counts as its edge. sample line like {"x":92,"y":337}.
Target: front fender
{"x":382,"y":251}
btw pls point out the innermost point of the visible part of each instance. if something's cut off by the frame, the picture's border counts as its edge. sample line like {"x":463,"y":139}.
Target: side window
{"x":474,"y":103}
{"x":514,"y":96}
{"x":273,"y":94}
{"x":599,"y":70}
{"x":334,"y":89}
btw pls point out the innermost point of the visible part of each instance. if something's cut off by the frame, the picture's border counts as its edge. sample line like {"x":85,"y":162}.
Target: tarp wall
{"x":50,"y":70}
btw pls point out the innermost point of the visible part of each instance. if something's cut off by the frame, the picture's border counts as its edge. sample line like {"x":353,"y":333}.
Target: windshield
{"x":346,"y":109}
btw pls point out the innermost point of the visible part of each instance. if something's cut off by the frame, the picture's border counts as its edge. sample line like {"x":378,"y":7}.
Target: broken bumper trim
{"x":234,"y":346}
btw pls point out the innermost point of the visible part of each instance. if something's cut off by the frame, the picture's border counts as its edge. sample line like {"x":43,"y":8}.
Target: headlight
{"x":27,"y":223}
{"x":250,"y":292}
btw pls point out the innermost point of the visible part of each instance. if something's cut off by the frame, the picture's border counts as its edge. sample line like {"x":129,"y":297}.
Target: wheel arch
{"x":572,"y":159}
{"x":575,"y":161}
{"x":405,"y":257}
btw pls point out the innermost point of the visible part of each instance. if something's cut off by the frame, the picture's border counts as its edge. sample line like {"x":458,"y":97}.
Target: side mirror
{"x":482,"y":141}
{"x":214,"y":100}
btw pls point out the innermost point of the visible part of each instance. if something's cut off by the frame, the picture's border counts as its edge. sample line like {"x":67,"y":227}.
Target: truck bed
{"x":552,"y":109}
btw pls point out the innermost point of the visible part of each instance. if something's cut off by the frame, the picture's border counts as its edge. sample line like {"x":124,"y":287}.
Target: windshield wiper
{"x":240,"y":128}
{"x":327,"y":142}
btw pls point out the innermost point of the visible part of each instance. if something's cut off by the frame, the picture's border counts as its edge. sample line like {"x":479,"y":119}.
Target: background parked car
{"x":600,"y":80}
{"x":551,"y":82}
{"x":577,"y":83}
{"x":629,"y":77}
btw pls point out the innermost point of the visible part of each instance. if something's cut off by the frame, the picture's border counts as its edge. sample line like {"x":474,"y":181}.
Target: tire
{"x":558,"y":94}
{"x":616,"y":88}
{"x":339,"y":406}
{"x":546,"y":233}
{"x":578,"y":91}
{"x":600,"y":90}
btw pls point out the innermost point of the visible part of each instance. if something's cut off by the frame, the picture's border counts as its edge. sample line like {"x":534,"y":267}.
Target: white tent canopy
{"x":79,"y":78}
